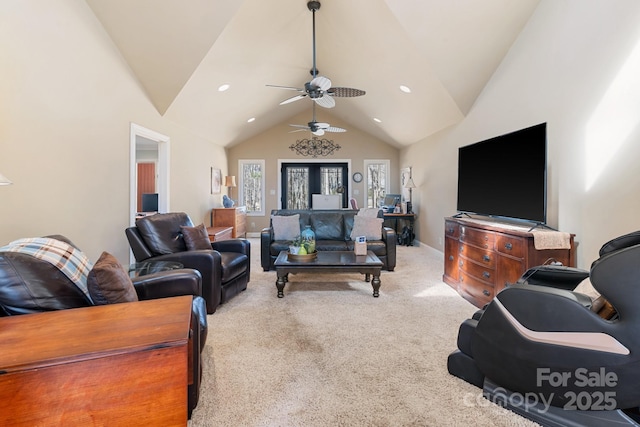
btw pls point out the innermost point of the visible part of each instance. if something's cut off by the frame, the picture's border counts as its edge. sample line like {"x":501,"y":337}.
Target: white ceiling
{"x":444,"y":50}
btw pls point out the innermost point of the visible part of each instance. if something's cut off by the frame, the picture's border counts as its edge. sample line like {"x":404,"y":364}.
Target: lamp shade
{"x":4,"y":180}
{"x":409,"y":183}
{"x":229,"y":181}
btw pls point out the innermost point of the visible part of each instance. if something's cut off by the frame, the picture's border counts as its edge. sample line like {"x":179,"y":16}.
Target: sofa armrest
{"x":172,"y":283}
{"x":389,"y":238}
{"x":242,"y":246}
{"x":266,"y":237}
{"x":207,"y":262}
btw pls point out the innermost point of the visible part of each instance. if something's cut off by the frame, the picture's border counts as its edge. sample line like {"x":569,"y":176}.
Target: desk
{"x":117,"y":365}
{"x":410,"y":218}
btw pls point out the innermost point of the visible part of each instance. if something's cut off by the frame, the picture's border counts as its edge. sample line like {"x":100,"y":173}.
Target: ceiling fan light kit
{"x":319,"y":89}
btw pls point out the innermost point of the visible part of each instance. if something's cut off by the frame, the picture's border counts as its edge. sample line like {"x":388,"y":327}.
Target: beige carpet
{"x":329,"y":354}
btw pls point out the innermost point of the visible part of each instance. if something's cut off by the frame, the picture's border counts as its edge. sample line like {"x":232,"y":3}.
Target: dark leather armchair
{"x":545,"y":342}
{"x":225,"y":268}
{"x":30,"y":285}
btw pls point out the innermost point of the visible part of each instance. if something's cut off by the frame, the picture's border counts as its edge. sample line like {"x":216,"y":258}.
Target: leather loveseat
{"x":30,"y":285}
{"x":333,"y":233}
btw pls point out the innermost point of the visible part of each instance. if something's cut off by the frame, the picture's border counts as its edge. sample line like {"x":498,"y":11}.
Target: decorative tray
{"x":302,"y":258}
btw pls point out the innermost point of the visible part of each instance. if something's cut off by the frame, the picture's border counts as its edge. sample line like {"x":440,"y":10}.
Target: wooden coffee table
{"x":330,"y":262}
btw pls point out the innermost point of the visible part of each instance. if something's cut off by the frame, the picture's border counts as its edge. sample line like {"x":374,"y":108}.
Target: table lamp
{"x":410,"y":185}
{"x":230,"y":181}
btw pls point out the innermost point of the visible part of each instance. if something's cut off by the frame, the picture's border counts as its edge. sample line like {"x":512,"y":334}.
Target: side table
{"x":410,"y":217}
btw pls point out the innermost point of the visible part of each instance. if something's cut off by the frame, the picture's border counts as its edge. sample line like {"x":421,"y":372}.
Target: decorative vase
{"x":227,"y":202}
{"x":309,"y":239}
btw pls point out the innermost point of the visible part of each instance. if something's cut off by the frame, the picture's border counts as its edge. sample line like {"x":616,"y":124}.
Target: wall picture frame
{"x":216,"y":180}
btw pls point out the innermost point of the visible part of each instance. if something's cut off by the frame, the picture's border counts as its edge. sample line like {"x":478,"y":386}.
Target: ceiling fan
{"x":317,"y":128}
{"x":319,"y":88}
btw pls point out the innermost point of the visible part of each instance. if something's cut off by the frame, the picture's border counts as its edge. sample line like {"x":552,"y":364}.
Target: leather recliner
{"x":30,"y":285}
{"x":539,"y":349}
{"x":225,"y":268}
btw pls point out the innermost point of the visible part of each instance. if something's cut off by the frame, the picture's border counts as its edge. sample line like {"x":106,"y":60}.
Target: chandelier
{"x":314,"y":147}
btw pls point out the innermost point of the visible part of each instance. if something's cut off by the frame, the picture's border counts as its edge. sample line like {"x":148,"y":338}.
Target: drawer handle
{"x":486,"y":258}
{"x":508,"y":246}
{"x":486,"y":274}
{"x":460,"y":263}
{"x":450,"y":230}
{"x":486,"y":292}
{"x":450,"y":257}
{"x":486,"y":238}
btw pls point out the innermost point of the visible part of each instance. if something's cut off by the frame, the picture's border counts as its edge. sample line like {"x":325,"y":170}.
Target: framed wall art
{"x":216,"y":180}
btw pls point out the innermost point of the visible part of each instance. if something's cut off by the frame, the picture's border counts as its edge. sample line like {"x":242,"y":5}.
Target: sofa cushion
{"x":109,"y":283}
{"x":162,"y":233}
{"x":371,"y":228}
{"x":196,"y":238}
{"x":328,"y":226}
{"x":285,"y":227}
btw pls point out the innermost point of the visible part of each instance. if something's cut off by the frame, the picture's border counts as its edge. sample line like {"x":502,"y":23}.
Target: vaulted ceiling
{"x":445,"y":51}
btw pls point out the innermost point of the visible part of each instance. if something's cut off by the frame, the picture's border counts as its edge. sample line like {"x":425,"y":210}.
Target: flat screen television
{"x":505,"y":176}
{"x":150,"y":202}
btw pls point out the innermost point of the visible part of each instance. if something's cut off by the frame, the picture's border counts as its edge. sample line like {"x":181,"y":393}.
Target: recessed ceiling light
{"x":252,"y":119}
{"x":223,"y":87}
{"x":405,"y":89}
{"x":377,"y":120}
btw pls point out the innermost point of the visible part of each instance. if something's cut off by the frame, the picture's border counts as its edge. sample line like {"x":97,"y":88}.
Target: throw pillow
{"x":196,"y":238}
{"x":371,"y":228}
{"x":285,"y":227}
{"x":109,"y":283}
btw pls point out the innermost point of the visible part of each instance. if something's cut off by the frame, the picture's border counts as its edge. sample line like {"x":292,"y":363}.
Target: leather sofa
{"x":225,"y":267}
{"x":29,"y":285}
{"x":333,"y":233}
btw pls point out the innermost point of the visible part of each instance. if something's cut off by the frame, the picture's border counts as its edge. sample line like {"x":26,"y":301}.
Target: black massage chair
{"x":539,"y":349}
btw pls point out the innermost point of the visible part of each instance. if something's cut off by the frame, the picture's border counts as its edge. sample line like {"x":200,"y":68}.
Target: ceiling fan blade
{"x":300,"y":126}
{"x":287,"y":87}
{"x":298,"y":130}
{"x":334,"y":129}
{"x":318,"y":132}
{"x":325,"y":101}
{"x":322,"y":82}
{"x":345,"y":92}
{"x":321,"y":125}
{"x":294,"y":98}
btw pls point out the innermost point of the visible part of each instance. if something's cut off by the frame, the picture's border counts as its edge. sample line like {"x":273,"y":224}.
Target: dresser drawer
{"x":473,"y":236}
{"x":510,"y":245}
{"x":451,"y":229}
{"x":478,"y":271}
{"x":477,"y":289}
{"x":484,"y":257}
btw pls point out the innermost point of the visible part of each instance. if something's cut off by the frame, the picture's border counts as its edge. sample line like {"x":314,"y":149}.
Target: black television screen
{"x":505,"y":176}
{"x":150,"y":202}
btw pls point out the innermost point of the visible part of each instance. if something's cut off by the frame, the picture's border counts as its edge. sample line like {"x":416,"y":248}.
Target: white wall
{"x":67,"y":99}
{"x":562,"y":70}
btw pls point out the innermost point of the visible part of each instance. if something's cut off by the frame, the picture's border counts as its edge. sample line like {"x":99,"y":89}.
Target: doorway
{"x":301,"y":181}
{"x":152,"y":149}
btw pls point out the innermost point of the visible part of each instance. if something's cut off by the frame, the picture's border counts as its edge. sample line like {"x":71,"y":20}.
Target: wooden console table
{"x":482,"y":257}
{"x":116,"y":365}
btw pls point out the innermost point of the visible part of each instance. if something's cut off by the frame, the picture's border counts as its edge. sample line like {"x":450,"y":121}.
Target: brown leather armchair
{"x":225,"y":268}
{"x":30,"y":285}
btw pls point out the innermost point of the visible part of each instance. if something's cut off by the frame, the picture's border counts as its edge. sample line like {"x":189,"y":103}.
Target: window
{"x":377,"y":184}
{"x":251,"y":186}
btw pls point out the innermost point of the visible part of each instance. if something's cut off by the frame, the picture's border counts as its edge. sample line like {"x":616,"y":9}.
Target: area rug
{"x":330,"y":354}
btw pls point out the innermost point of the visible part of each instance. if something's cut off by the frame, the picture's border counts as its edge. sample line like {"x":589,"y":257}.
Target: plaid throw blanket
{"x":69,"y":260}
